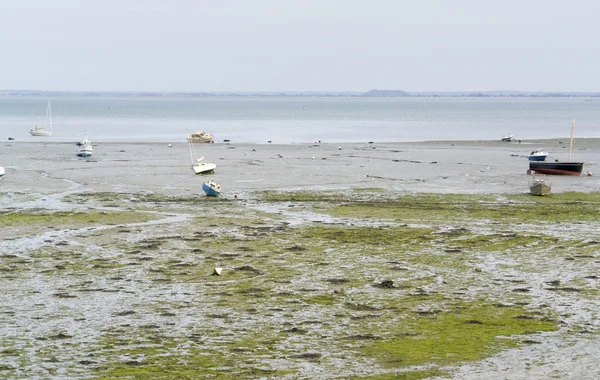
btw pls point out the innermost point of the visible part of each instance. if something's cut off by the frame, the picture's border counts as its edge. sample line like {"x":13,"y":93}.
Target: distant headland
{"x":375,"y":93}
{"x":386,"y":93}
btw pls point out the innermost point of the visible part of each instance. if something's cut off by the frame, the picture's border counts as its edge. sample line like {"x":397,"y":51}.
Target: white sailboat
{"x":37,"y":131}
{"x":199,"y":166}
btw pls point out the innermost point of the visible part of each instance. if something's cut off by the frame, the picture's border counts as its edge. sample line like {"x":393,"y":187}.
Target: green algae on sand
{"x":394,"y":286}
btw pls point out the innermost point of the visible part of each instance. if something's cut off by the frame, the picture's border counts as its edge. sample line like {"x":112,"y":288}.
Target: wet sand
{"x":437,"y":167}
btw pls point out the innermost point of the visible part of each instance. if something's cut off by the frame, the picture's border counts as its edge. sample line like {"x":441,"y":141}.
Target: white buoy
{"x":217,"y":271}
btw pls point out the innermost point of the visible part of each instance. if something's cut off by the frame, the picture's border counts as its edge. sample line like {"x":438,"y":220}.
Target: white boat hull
{"x":200,"y":140}
{"x":204,"y":167}
{"x":85,"y":148}
{"x":540,"y":189}
{"x":40,"y":132}
{"x":200,"y":137}
{"x":84,"y":153}
{"x":1,"y":171}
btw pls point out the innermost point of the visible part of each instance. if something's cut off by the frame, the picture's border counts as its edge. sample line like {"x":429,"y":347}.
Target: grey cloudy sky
{"x":300,"y":45}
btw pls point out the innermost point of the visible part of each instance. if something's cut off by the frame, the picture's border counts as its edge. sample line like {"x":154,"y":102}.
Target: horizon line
{"x":288,"y":92}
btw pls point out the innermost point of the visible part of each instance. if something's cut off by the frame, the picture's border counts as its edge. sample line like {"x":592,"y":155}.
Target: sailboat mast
{"x":571,"y":143}
{"x":48,"y":115}
{"x":191,"y":154}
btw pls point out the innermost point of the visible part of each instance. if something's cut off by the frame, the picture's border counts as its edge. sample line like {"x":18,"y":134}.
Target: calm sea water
{"x":300,"y":120}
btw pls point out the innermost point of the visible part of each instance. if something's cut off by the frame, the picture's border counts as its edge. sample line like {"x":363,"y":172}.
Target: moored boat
{"x":1,"y":171}
{"x":199,"y":166}
{"x":211,"y":188}
{"x":539,"y":187}
{"x":556,"y":167}
{"x":538,"y":155}
{"x":200,"y":137}
{"x":85,"y":148}
{"x":507,"y":138}
{"x":45,"y":131}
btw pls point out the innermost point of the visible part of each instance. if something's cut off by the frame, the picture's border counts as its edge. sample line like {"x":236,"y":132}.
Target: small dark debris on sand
{"x":249,"y":268}
{"x":473,"y":322}
{"x":296,"y":248}
{"x":124,"y":313}
{"x":362,"y":337}
{"x":337,"y":280}
{"x":295,"y":330}
{"x":387,"y":284}
{"x":309,"y":356}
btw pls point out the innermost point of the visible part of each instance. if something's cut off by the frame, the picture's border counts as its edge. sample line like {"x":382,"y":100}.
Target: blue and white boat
{"x":211,"y":188}
{"x":85,"y":147}
{"x":538,"y":155}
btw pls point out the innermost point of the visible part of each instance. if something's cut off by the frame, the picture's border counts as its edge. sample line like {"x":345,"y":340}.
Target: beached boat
{"x":539,"y":187}
{"x":1,"y":171}
{"x":200,"y":137}
{"x":199,"y":166}
{"x":507,"y":138}
{"x":211,"y":188}
{"x":538,"y":155}
{"x":85,"y":148}
{"x":556,"y":167}
{"x":47,"y":130}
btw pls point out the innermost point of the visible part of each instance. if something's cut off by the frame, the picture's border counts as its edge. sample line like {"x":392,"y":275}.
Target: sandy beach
{"x":106,"y":261}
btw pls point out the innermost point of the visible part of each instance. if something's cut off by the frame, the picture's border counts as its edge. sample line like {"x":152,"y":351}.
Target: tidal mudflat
{"x":105,"y":280}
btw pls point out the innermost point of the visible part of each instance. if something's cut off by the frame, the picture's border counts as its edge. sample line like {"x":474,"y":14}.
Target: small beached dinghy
{"x":539,"y":187}
{"x":211,"y":188}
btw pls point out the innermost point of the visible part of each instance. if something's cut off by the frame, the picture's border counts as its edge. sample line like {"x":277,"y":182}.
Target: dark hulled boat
{"x":556,"y":168}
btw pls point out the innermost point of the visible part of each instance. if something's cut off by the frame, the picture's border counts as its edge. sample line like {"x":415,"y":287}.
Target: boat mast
{"x":191,"y":155}
{"x":48,"y":116}
{"x":571,"y":143}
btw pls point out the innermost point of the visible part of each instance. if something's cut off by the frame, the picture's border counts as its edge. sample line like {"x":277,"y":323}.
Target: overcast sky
{"x":300,"y":45}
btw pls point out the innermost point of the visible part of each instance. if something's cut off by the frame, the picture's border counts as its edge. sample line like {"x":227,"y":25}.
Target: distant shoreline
{"x":292,"y":94}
